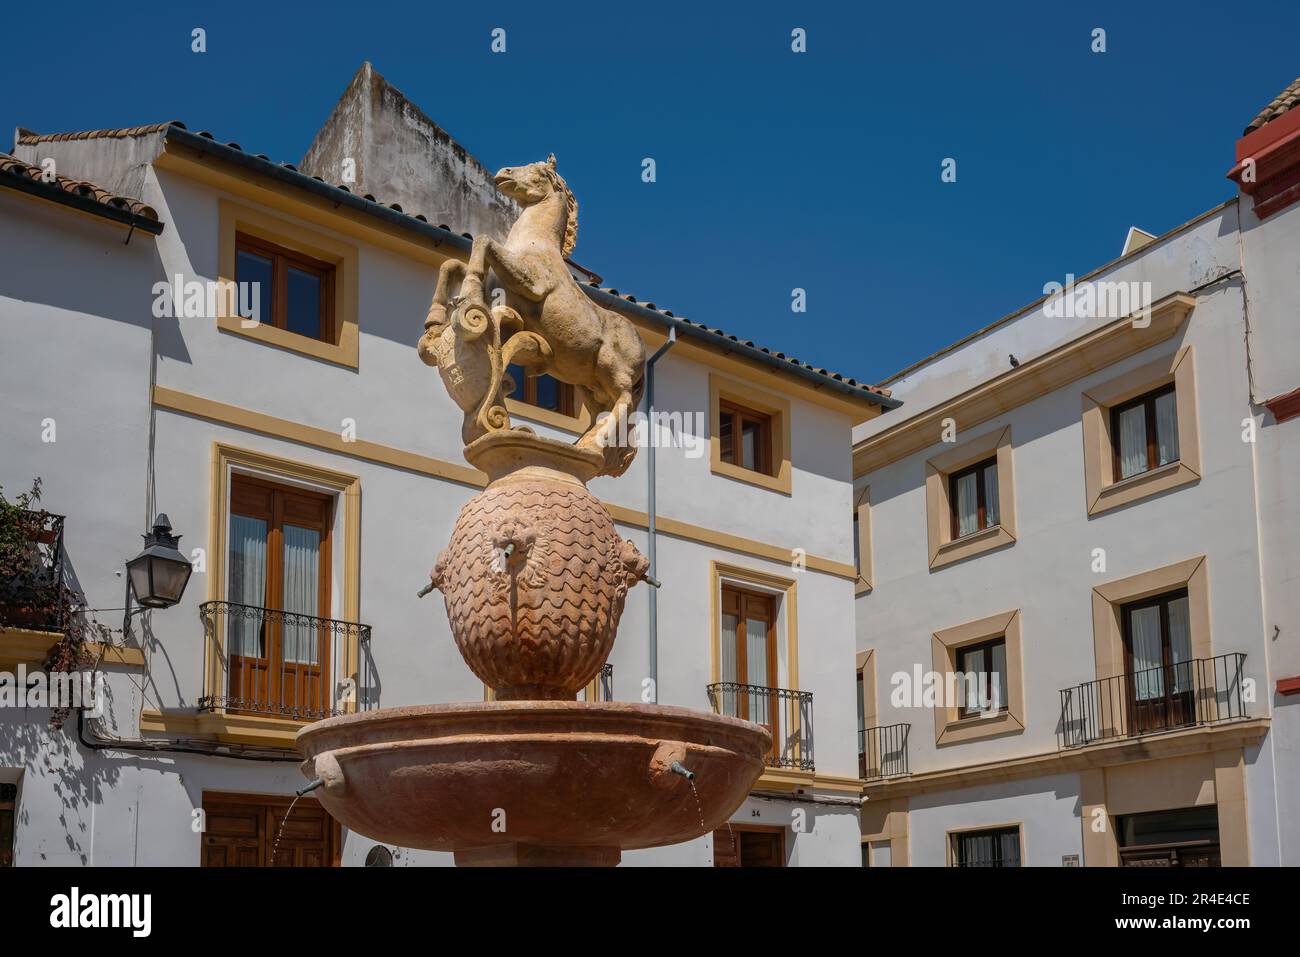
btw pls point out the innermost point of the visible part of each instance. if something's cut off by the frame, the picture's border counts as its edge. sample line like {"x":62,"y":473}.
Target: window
{"x":296,"y":291}
{"x":1144,"y":433}
{"x":983,"y":669}
{"x":970,"y":499}
{"x":278,"y":587}
{"x":973,"y":497}
{"x":1157,"y":657}
{"x":748,"y":659}
{"x":862,"y":541}
{"x":745,"y":437}
{"x":542,"y":391}
{"x":994,"y":847}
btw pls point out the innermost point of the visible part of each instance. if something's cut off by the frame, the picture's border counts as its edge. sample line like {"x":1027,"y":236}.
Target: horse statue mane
{"x":546,"y":323}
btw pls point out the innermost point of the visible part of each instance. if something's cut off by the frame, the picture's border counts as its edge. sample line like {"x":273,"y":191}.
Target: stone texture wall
{"x":401,"y":156}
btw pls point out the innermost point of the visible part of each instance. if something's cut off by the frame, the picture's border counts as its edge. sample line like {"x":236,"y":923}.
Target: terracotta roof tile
{"x":28,"y":137}
{"x":1284,"y":101}
{"x":12,"y":166}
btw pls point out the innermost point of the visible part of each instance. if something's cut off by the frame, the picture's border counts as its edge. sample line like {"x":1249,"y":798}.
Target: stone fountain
{"x":534,"y":580}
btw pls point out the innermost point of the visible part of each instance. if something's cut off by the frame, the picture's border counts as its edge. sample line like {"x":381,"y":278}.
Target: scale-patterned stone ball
{"x":534,"y":579}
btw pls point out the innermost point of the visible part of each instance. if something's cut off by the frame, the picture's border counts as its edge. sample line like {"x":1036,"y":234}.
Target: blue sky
{"x":775,"y":170}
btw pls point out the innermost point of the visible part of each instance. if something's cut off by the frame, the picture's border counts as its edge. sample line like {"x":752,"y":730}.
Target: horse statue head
{"x":536,"y":183}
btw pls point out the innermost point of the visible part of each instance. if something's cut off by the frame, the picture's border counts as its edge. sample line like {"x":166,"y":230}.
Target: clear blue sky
{"x":775,"y":170}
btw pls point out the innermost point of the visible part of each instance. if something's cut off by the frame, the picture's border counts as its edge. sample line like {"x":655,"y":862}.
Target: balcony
{"x":284,"y":665}
{"x":31,"y":592}
{"x":1200,"y":691}
{"x":787,"y":714}
{"x":882,"y":752}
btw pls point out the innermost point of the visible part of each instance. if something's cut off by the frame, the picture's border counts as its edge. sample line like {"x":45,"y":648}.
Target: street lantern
{"x":159,"y":574}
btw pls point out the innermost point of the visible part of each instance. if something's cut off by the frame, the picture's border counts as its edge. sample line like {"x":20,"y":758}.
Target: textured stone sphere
{"x":534,"y":580}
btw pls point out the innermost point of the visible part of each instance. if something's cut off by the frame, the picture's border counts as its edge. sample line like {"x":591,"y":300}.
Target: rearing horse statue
{"x":547,"y":324}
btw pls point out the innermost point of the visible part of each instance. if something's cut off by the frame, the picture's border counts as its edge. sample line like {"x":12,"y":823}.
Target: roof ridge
{"x":1284,"y":101}
{"x":13,"y":166}
{"x":28,"y":137}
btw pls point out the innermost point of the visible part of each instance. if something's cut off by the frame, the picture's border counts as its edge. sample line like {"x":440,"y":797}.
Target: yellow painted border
{"x":778,"y":408}
{"x":332,"y":441}
{"x":866,"y":563}
{"x":948,"y":727}
{"x":944,"y":549}
{"x":954,"y":831}
{"x":1104,"y":493}
{"x":344,"y":350}
{"x":30,"y":647}
{"x":1015,"y":387}
{"x":789,"y":587}
{"x":347,"y":487}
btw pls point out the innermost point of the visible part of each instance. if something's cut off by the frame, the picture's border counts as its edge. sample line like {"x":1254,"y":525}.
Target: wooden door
{"x":241,"y":831}
{"x":749,"y":845}
{"x":1157,"y":661}
{"x":749,"y":658}
{"x":279,"y":563}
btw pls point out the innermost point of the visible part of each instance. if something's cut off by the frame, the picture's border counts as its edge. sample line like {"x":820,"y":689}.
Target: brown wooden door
{"x":1157,"y":661}
{"x":241,"y":831}
{"x":279,"y":561}
{"x":749,"y":627}
{"x":749,"y":845}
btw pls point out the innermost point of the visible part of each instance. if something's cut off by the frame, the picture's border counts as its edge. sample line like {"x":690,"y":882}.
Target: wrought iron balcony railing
{"x":882,"y":751}
{"x":1198,"y":691}
{"x":604,"y":684}
{"x":31,"y":587}
{"x":787,"y":714}
{"x":283,"y":664}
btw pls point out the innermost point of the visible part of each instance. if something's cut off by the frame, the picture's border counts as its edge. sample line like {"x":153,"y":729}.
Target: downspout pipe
{"x":651,"y":532}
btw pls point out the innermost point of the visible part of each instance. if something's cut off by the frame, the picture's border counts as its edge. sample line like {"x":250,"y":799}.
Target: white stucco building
{"x":313,"y":467}
{"x":1090,"y":507}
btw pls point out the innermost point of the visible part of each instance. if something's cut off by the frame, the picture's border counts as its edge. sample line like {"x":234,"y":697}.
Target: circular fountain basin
{"x":533,"y":782}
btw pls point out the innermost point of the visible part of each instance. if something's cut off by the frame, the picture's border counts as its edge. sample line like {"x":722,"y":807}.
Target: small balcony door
{"x":1157,"y":652}
{"x":748,"y":656}
{"x":279,"y":560}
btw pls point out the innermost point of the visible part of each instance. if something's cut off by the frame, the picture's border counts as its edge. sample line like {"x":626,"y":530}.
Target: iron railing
{"x":1195,"y":692}
{"x":882,"y":751}
{"x":787,"y":714}
{"x":604,"y":685}
{"x":283,"y":664}
{"x":31,"y":594}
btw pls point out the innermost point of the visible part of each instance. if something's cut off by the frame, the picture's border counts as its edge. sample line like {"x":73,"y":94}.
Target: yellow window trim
{"x":948,"y":727}
{"x":226,"y":458}
{"x":953,"y":832}
{"x":778,"y":408}
{"x":1103,"y":491}
{"x":1109,"y":599}
{"x":234,"y":218}
{"x":866,"y":566}
{"x":749,"y":576}
{"x":944,"y":549}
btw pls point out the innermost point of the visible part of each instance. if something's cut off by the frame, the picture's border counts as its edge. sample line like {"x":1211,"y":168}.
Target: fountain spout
{"x":319,"y":782}
{"x":678,"y":768}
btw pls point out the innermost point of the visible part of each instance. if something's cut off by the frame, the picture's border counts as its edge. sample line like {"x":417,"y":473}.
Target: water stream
{"x":283,"y":821}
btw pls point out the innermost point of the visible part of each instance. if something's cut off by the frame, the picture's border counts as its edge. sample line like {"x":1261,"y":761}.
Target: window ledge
{"x":227,"y":728}
{"x":1144,"y":485}
{"x":776,"y":483}
{"x":968,"y":546}
{"x":977,"y":726}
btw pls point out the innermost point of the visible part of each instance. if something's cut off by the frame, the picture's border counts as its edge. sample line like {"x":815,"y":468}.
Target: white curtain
{"x":1132,"y":441}
{"x":998,"y":678}
{"x":756,"y":665}
{"x":247,"y":586}
{"x":730,"y":623}
{"x":991,"y":515}
{"x":1167,"y":427}
{"x":974,"y":666}
{"x":1011,"y":849}
{"x":301,"y":593}
{"x":968,"y":516}
{"x":1180,"y":644}
{"x":1144,"y":627}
